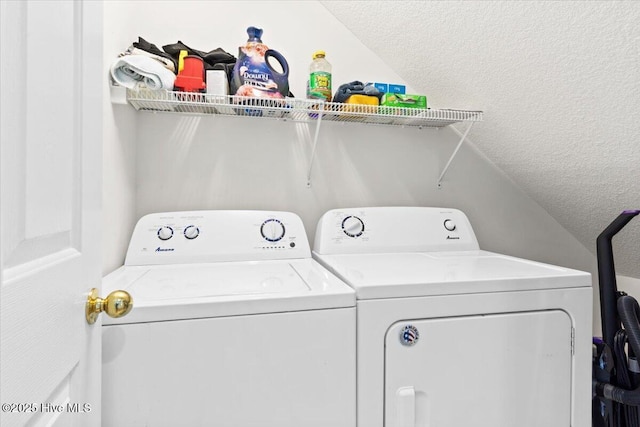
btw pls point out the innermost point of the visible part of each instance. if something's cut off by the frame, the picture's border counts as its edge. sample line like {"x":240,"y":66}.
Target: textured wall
{"x":559,"y":83}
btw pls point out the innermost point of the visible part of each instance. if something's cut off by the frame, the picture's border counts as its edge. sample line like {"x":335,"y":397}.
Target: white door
{"x":51,"y":136}
{"x":487,"y":371}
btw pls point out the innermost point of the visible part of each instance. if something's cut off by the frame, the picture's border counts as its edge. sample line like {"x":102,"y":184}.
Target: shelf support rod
{"x":315,"y":142}
{"x":446,"y":167}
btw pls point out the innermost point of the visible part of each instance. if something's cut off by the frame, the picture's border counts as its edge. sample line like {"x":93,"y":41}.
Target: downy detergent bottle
{"x":253,"y":75}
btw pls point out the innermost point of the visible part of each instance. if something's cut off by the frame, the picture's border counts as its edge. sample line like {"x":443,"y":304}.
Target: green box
{"x":405,"y":101}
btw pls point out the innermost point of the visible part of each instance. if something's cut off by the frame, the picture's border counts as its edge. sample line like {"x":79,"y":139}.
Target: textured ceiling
{"x":560,"y":86}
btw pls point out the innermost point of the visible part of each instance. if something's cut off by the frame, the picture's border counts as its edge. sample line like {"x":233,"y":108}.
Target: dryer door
{"x":501,"y":370}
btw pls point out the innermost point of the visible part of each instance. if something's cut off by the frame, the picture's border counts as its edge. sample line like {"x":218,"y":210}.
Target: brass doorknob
{"x":116,"y":304}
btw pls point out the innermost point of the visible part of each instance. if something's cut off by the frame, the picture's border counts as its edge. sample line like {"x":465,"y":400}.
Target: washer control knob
{"x":191,"y":232}
{"x":165,"y":233}
{"x":272,"y":230}
{"x":352,"y":226}
{"x":449,"y":224}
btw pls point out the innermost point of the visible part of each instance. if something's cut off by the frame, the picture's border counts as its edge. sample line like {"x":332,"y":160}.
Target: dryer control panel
{"x":216,"y":236}
{"x":394,"y":229}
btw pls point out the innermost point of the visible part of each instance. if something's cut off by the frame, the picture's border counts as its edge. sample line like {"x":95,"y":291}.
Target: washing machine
{"x":233,"y":325}
{"x":449,"y":335}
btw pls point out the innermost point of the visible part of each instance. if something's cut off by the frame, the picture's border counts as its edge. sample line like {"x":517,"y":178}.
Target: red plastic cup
{"x":191,"y":78}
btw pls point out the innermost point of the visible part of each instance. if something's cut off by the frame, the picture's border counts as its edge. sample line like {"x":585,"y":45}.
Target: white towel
{"x":166,"y":62}
{"x":137,"y":71}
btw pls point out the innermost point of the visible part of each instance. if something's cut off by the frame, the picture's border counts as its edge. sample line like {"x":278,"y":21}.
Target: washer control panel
{"x":394,"y":229}
{"x":272,"y":230}
{"x":449,"y":224}
{"x":165,"y":232}
{"x":352,"y":226}
{"x":214,"y":236}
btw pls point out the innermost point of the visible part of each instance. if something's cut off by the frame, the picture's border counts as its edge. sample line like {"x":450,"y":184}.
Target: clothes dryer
{"x":233,"y":325}
{"x":449,"y":335}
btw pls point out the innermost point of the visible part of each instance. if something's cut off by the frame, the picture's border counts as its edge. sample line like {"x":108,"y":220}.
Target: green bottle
{"x":319,"y":77}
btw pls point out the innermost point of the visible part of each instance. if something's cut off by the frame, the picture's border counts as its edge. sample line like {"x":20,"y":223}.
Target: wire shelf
{"x":302,"y":110}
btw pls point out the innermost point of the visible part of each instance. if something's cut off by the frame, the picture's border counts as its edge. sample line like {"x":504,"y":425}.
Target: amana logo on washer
{"x":409,"y":335}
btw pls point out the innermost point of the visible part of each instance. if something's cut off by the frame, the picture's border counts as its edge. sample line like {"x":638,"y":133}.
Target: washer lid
{"x":397,"y":275}
{"x":173,"y":292}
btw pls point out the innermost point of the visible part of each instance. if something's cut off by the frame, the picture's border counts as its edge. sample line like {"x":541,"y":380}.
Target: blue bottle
{"x":253,"y":75}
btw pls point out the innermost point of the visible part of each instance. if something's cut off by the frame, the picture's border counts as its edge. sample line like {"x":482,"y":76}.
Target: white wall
{"x":156,"y":162}
{"x":217,"y":162}
{"x":119,"y":148}
{"x":296,"y":29}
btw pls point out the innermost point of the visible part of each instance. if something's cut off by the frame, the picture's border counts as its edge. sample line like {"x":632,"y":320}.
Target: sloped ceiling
{"x":560,"y":86}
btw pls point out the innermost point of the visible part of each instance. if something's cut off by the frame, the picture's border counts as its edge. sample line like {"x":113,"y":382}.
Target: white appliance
{"x":233,"y":325}
{"x":449,"y":335}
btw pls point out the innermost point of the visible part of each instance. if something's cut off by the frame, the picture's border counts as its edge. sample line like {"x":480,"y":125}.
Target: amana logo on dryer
{"x":409,"y":335}
{"x":159,"y":249}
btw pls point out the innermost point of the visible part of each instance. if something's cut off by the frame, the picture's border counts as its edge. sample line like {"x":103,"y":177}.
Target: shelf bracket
{"x":315,"y":142}
{"x":446,"y":167}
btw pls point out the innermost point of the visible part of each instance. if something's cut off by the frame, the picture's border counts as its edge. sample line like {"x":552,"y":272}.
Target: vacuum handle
{"x":617,"y":225}
{"x":607,"y":276}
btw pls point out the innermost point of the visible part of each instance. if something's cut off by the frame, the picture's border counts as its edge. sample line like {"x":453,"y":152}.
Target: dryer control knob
{"x":449,"y":224}
{"x":272,"y":230}
{"x":165,"y":233}
{"x":191,"y":232}
{"x":352,"y":226}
